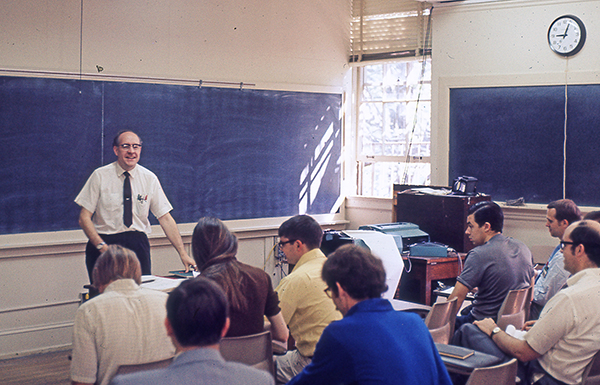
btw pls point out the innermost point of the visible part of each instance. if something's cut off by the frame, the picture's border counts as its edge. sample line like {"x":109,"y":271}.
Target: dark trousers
{"x":463,"y":319}
{"x":470,"y":336}
{"x":134,"y":240}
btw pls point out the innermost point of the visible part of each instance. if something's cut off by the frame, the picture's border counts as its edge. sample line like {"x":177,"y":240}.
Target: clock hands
{"x":564,"y":34}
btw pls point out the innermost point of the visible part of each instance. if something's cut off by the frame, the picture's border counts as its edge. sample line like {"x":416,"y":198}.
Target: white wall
{"x":502,"y":43}
{"x":274,"y":44}
{"x":271,"y":43}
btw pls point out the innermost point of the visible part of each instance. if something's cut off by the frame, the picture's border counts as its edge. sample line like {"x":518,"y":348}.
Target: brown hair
{"x":115,"y":263}
{"x":214,"y":248}
{"x":358,"y":272}
{"x":565,"y":209}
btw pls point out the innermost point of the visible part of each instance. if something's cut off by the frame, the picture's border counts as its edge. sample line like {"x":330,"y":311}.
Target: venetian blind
{"x":382,"y":29}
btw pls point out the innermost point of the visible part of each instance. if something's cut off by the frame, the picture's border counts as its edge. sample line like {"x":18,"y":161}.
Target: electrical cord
{"x":279,"y":257}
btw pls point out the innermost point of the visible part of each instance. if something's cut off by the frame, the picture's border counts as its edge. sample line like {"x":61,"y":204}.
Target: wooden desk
{"x":427,"y":269}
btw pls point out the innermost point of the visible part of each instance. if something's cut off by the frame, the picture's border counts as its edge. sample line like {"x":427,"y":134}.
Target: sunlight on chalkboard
{"x":312,"y":175}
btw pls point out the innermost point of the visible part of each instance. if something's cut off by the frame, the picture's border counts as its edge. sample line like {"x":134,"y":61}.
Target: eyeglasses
{"x":127,"y":146}
{"x":565,"y":243}
{"x":282,"y":243}
{"x":328,"y":292}
{"x":586,"y":245}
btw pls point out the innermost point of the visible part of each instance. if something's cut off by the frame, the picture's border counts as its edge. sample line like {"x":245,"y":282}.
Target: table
{"x":427,"y":269}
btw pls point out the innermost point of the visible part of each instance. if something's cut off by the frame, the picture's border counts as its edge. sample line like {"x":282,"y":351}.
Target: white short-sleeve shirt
{"x":102,"y":195}
{"x":125,"y":325}
{"x":567,"y":335}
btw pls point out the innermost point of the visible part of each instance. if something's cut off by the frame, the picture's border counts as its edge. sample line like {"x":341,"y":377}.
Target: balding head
{"x":582,"y":238}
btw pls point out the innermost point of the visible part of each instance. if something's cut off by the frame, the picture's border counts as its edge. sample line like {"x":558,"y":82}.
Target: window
{"x":393,"y":126}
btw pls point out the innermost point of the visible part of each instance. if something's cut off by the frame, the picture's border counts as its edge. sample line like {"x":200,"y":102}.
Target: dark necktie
{"x":127,"y":214}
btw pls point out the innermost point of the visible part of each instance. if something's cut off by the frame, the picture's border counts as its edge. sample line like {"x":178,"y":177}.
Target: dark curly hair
{"x":358,"y":272}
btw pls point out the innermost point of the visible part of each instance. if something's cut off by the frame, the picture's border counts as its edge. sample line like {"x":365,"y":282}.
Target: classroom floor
{"x":37,"y":369}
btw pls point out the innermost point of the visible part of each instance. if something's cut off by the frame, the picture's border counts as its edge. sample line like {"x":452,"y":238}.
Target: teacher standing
{"x":115,"y":203}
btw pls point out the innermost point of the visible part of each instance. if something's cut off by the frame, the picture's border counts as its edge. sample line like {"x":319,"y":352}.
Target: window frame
{"x":364,"y":160}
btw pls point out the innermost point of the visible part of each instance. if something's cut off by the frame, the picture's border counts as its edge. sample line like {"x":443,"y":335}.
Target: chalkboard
{"x":228,"y":153}
{"x":511,"y":139}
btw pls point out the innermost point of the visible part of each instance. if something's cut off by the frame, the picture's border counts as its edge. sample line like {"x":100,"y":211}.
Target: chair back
{"x":515,"y":308}
{"x":440,"y":321}
{"x":591,"y":375}
{"x":124,"y":369}
{"x":255,"y":350}
{"x":502,"y":374}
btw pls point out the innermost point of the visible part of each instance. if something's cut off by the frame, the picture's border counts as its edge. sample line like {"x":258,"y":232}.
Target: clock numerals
{"x":566,"y":35}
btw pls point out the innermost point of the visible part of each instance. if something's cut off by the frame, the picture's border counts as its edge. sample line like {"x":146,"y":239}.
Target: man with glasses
{"x":115,"y":203}
{"x":306,"y":308}
{"x":559,"y":215}
{"x":373,"y":343}
{"x":556,"y":348}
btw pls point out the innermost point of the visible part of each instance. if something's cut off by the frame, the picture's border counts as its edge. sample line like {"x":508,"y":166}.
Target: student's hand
{"x":486,"y":325}
{"x":528,"y":325}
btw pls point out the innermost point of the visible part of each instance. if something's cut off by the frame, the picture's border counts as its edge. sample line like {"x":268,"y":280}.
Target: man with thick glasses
{"x":305,"y":306}
{"x":115,"y":203}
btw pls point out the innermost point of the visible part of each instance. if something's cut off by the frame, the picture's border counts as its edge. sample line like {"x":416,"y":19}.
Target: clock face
{"x":566,"y":35}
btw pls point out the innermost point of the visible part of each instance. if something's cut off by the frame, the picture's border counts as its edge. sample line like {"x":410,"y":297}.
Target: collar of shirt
{"x":591,"y":272}
{"x":371,"y":305}
{"x":309,"y":256}
{"x":123,"y":284}
{"x":497,"y":238}
{"x":556,"y":251}
{"x":120,"y":170}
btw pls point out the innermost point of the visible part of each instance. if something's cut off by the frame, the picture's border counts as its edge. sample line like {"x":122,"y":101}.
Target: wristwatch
{"x":100,"y":245}
{"x":495,"y":331}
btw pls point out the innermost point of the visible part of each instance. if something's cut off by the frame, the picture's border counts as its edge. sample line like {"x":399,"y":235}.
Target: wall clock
{"x":566,"y":35}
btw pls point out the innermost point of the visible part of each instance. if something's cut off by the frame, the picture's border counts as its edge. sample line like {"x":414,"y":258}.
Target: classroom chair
{"x":502,"y":374}
{"x":440,"y":321}
{"x":254,"y":350}
{"x":515,"y":308}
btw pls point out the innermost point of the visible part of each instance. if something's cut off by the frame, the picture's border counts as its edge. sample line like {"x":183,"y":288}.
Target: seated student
{"x":373,"y":343}
{"x":559,"y":215}
{"x":196,"y":321}
{"x":495,"y":266}
{"x":249,"y":290}
{"x":121,"y":326}
{"x":305,"y":307}
{"x":557,"y":347}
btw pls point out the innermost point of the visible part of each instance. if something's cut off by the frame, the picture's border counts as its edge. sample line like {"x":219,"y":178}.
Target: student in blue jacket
{"x":373,"y":343}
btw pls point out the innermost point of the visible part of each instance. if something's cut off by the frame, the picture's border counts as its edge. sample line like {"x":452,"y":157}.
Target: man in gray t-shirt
{"x":495,"y":266}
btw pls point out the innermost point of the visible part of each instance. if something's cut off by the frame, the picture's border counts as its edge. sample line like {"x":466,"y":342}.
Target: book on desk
{"x":455,"y":351}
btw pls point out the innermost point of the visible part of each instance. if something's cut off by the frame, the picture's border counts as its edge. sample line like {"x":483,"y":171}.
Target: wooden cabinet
{"x":444,"y":218}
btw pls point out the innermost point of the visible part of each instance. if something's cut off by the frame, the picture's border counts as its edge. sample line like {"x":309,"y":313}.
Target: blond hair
{"x":116,"y":263}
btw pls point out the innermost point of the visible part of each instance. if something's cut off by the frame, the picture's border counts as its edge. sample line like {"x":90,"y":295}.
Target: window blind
{"x":384,"y":29}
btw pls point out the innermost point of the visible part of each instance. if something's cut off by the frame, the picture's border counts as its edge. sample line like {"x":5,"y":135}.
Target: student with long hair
{"x":248,"y":289}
